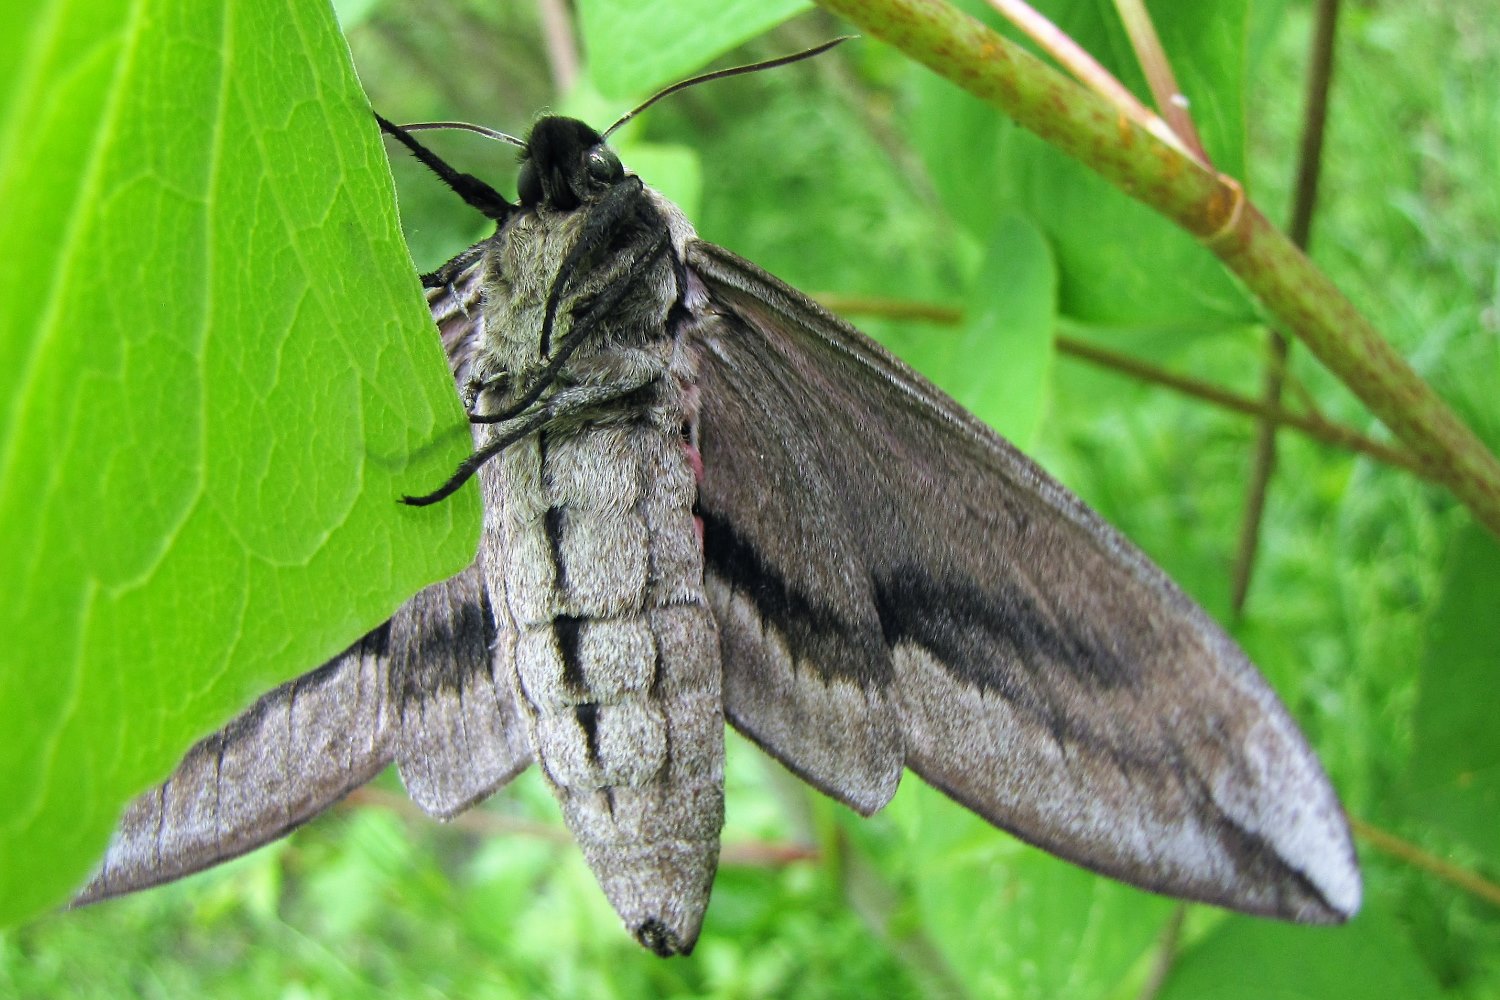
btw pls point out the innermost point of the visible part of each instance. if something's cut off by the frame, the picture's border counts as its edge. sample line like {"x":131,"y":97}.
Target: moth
{"x":707,"y":499}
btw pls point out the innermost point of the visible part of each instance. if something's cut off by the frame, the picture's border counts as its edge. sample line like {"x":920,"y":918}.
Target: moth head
{"x":566,"y":164}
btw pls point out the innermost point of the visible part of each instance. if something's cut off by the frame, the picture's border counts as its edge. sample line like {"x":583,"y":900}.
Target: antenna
{"x":488,"y":133}
{"x":720,"y":74}
{"x":475,"y":192}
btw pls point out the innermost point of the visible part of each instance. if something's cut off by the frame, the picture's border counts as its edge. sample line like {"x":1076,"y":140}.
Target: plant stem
{"x":562,"y":44}
{"x":1312,"y":424}
{"x":1413,"y":855}
{"x":1159,"y":76}
{"x":1262,"y":467}
{"x":1211,"y":207}
{"x":1305,"y":200}
{"x":1085,"y":68}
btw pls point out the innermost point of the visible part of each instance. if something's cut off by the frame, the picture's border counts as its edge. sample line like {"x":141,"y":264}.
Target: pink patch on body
{"x":695,"y":462}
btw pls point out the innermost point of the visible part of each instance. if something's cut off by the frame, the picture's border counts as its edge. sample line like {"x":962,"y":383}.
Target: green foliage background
{"x":216,"y":375}
{"x":1375,"y":610}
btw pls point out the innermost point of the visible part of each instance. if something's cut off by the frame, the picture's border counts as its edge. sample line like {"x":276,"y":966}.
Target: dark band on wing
{"x":812,"y":629}
{"x":375,"y":643}
{"x":970,"y":630}
{"x":442,"y":651}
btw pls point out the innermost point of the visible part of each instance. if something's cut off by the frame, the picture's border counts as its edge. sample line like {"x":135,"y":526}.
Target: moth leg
{"x":592,"y":382}
{"x":602,"y":380}
{"x":620,"y":208}
{"x":447,"y":276}
{"x":630,"y":371}
{"x":479,"y":383}
{"x":597,"y":309}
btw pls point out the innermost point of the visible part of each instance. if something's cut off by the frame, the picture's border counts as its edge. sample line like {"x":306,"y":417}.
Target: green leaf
{"x":1010,"y":315}
{"x":1263,"y":960}
{"x":352,"y":13}
{"x":218,"y":377}
{"x":635,"y":46}
{"x":675,"y":171}
{"x":1119,"y":263}
{"x":1011,"y":920}
{"x":1454,"y":779}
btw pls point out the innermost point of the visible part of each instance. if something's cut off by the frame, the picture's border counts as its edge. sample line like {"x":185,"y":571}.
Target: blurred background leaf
{"x":1260,"y":960}
{"x":1119,"y":264}
{"x":656,"y":42}
{"x":1455,"y":767}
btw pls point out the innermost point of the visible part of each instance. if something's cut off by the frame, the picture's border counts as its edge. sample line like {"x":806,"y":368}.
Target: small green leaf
{"x":675,"y":171}
{"x":218,"y":378}
{"x":1119,"y":263}
{"x":1248,"y":959}
{"x":1011,"y":920}
{"x":1009,"y":316}
{"x":1454,"y":779}
{"x":635,"y":46}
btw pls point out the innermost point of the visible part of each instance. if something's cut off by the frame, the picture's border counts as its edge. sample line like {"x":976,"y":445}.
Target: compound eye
{"x":602,"y":164}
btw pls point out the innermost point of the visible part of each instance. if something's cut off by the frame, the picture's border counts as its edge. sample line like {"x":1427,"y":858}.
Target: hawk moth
{"x":707,"y":500}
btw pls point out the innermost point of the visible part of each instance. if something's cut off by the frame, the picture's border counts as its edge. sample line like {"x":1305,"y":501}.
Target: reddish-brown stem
{"x":1210,"y":206}
{"x":1159,"y":76}
{"x":1311,"y":424}
{"x":1454,"y":875}
{"x":1278,"y":348}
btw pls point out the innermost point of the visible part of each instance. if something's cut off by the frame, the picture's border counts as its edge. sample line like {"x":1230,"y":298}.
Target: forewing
{"x":455,"y":298}
{"x":862,"y":531}
{"x":293,"y":753}
{"x":459,"y":735}
{"x":419,"y":690}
